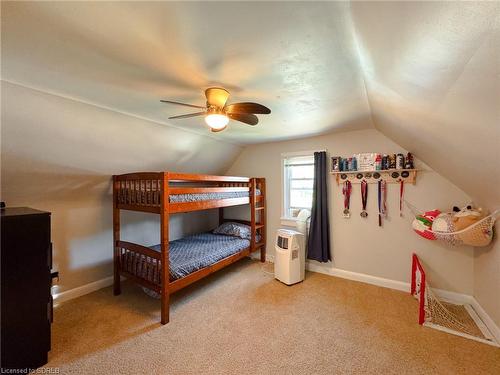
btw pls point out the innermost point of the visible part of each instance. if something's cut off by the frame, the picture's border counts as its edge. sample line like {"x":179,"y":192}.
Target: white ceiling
{"x":426,"y":74}
{"x":299,"y":59}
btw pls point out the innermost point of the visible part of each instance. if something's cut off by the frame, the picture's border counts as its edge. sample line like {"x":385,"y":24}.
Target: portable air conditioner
{"x":290,"y":256}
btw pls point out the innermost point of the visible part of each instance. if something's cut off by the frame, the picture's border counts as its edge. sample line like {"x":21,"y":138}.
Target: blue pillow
{"x":232,"y":228}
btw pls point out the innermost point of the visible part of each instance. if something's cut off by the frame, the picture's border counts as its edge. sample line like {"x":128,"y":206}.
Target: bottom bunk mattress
{"x":186,"y":255}
{"x":189,"y":254}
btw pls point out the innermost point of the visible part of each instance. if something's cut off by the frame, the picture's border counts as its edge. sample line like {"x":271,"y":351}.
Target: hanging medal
{"x":382,"y":195}
{"x":379,"y":193}
{"x":401,"y":196}
{"x":346,"y":191}
{"x":364,"y":197}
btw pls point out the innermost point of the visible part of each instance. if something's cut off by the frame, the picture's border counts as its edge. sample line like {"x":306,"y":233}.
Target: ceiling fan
{"x":218,"y":113}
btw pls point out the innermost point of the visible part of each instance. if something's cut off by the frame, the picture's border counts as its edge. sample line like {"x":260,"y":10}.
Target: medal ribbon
{"x":379,"y":203}
{"x":401,"y":193}
{"x":364,"y":193}
{"x":346,"y":190}
{"x":384,"y":198}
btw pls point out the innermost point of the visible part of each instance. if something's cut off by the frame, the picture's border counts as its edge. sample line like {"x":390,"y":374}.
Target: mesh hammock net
{"x":477,"y":234}
{"x":453,"y":318}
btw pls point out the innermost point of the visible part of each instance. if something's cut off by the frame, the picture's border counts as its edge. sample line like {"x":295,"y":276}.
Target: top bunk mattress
{"x":189,"y":254}
{"x":181,"y":198}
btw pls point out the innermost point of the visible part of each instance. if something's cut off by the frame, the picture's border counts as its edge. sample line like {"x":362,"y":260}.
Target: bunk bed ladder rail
{"x":258,"y":216}
{"x":263,"y":233}
{"x":253,"y":216}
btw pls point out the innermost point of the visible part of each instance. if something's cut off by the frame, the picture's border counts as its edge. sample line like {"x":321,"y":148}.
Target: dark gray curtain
{"x":318,"y":244}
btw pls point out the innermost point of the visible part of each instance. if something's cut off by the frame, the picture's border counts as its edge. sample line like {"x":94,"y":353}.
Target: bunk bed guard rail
{"x":187,"y":192}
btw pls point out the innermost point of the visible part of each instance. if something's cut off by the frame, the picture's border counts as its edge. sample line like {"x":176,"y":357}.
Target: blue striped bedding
{"x":197,"y":251}
{"x":179,"y":198}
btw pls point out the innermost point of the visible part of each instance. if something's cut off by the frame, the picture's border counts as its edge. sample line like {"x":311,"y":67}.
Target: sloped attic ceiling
{"x":299,"y":59}
{"x":424,"y":73}
{"x":432,"y":76}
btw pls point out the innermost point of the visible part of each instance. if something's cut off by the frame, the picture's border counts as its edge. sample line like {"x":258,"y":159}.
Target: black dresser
{"x":26,"y":262}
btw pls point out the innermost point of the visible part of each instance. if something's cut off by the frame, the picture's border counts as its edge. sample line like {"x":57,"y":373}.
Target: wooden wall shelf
{"x":391,"y":176}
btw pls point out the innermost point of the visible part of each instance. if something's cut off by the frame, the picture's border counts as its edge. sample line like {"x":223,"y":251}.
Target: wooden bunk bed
{"x":167,"y":193}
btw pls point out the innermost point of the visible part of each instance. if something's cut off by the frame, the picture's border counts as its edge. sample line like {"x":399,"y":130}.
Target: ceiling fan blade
{"x":184,"y":104}
{"x":188,"y":115}
{"x":247,"y":118}
{"x":247,"y":108}
{"x":217,"y":96}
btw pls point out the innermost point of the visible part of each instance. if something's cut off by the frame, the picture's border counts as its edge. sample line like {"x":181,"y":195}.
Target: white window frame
{"x":285,"y":219}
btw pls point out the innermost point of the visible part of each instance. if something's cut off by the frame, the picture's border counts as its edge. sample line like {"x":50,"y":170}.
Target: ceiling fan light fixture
{"x":217,"y":121}
{"x":217,"y":112}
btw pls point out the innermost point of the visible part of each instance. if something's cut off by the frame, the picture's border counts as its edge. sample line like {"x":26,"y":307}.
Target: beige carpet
{"x":242,"y":321}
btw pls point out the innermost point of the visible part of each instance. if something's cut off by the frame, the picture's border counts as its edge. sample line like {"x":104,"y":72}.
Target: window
{"x":298,"y":179}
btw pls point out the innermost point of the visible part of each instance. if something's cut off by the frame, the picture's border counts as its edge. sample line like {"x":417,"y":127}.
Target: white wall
{"x":487,"y":267}
{"x":58,"y":155}
{"x":359,"y":245}
{"x":487,"y":277}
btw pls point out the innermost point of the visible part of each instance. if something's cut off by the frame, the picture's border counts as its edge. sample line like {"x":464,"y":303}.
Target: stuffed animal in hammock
{"x":423,"y":223}
{"x":461,"y":219}
{"x":476,"y":235}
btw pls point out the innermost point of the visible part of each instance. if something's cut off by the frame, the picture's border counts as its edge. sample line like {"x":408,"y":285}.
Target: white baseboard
{"x":355,"y":276}
{"x":80,"y":291}
{"x":453,"y":297}
{"x":446,"y":295}
{"x":452,"y":332}
{"x":490,"y":324}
